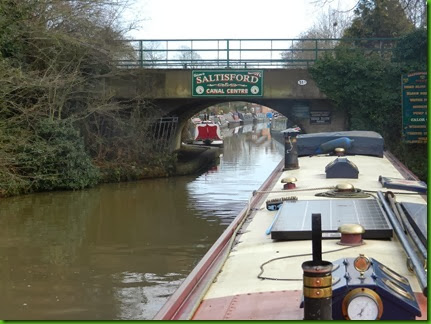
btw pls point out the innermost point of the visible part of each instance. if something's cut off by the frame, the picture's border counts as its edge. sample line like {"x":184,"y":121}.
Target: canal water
{"x":118,"y":251}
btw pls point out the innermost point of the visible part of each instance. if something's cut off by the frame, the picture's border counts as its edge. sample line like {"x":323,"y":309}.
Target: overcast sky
{"x":192,"y":19}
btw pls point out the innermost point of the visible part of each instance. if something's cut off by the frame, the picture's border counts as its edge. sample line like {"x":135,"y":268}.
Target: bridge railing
{"x":242,"y":53}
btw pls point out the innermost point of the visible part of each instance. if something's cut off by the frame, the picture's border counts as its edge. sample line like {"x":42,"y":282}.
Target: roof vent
{"x":346,"y":187}
{"x":289,"y":183}
{"x":339,"y":151}
{"x":351,"y":234}
{"x":341,"y":168}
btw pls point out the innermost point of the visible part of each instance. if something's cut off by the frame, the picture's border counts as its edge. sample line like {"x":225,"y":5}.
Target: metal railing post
{"x":141,"y":54}
{"x":167,"y":52}
{"x":218,"y":52}
{"x":270,"y":55}
{"x":240,"y":52}
{"x":191,"y":53}
{"x":227,"y":52}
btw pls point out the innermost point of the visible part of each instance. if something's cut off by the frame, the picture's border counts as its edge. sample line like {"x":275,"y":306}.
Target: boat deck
{"x":237,"y":290}
{"x":238,"y":293}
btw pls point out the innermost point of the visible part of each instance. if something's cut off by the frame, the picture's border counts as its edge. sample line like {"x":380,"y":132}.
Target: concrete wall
{"x":176,"y":84}
{"x":283,"y":84}
{"x":337,"y":119}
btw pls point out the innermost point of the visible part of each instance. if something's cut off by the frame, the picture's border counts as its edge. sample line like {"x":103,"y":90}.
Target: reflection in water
{"x":119,"y":251}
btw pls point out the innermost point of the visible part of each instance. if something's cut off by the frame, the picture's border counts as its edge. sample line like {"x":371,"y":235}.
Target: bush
{"x":55,"y":158}
{"x":368,"y":88}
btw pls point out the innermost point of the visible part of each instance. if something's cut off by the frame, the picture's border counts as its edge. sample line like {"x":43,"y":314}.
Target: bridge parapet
{"x":242,"y":53}
{"x":177,"y":84}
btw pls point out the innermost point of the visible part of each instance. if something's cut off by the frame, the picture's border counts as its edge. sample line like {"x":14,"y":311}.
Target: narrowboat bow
{"x":208,"y":133}
{"x":338,"y":231}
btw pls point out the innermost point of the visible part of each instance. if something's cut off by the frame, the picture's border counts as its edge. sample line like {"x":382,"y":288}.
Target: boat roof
{"x":254,"y":247}
{"x":239,"y":292}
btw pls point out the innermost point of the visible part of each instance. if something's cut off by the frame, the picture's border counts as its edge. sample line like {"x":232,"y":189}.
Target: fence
{"x":163,"y":131}
{"x":242,"y":53}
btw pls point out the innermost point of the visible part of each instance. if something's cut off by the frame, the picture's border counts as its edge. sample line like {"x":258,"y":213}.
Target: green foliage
{"x":54,"y":157}
{"x":413,"y":156}
{"x":12,"y":17}
{"x":411,"y":50}
{"x":358,"y":84}
{"x":54,"y":58}
{"x":158,"y":165}
{"x":379,"y":18}
{"x":368,"y":89}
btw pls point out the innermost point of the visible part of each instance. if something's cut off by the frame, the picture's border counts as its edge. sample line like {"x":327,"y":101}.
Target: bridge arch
{"x":284,"y":90}
{"x":297,"y":111}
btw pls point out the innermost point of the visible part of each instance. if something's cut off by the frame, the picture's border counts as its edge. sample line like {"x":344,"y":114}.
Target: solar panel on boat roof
{"x":294,"y":220}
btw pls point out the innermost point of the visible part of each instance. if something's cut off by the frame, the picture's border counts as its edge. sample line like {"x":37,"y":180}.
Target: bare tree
{"x":153,"y":54}
{"x":320,"y":36}
{"x":416,"y":11}
{"x":188,"y":57}
{"x":55,"y":56}
{"x":330,"y":24}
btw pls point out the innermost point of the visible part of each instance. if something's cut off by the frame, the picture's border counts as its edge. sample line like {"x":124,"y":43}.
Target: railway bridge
{"x":183,"y":77}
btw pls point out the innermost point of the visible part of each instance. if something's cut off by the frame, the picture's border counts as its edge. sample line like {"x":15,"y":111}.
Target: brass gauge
{"x":361,"y":264}
{"x":362,"y":304}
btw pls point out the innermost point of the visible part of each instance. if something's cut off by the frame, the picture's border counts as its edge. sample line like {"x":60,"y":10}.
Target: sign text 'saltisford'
{"x":227,"y":77}
{"x":231,"y":83}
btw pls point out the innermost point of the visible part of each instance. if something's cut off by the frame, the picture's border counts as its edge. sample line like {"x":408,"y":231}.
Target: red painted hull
{"x":273,"y":305}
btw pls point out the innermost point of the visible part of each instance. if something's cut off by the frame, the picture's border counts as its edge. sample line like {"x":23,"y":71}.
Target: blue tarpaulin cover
{"x":364,"y":142}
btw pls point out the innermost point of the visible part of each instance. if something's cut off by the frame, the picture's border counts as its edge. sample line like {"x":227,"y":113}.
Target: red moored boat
{"x":208,"y":133}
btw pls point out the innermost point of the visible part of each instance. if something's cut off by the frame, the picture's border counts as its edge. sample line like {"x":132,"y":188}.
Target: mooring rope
{"x":259,"y":276}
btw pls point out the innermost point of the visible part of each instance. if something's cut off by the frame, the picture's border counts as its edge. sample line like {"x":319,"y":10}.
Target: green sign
{"x":227,"y":83}
{"x":415,"y":107}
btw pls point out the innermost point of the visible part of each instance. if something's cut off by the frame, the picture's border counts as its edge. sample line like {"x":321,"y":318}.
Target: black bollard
{"x":317,"y":284}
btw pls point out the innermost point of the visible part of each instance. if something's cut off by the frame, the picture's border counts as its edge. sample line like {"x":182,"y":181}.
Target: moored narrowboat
{"x":208,"y":133}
